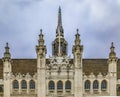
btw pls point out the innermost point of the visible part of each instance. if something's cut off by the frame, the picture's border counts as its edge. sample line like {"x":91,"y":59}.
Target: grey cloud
{"x":98,"y":21}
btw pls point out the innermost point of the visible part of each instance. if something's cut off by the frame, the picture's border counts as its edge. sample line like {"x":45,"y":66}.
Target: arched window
{"x":1,"y":88}
{"x":68,"y":85}
{"x":51,"y":85}
{"x":87,"y":85}
{"x":15,"y":84}
{"x":104,"y":85}
{"x":24,"y":84}
{"x":59,"y":85}
{"x":118,"y":88}
{"x":95,"y":85}
{"x":32,"y":84}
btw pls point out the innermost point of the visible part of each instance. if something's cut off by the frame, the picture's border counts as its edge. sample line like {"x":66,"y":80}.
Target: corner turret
{"x":77,"y":51}
{"x":112,"y":70}
{"x":7,"y":68}
{"x":41,"y":65}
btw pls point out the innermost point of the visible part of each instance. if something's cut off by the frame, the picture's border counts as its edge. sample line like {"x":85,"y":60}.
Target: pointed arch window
{"x":59,"y":85}
{"x":95,"y":85}
{"x":32,"y":84}
{"x":87,"y":85}
{"x":1,"y":88}
{"x":104,"y":85}
{"x":51,"y":85}
{"x":68,"y":85}
{"x":23,"y":84}
{"x":15,"y":84}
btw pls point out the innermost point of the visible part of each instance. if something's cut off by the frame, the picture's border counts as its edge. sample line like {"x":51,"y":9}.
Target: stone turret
{"x":41,"y":62}
{"x":112,"y":70}
{"x":7,"y":71}
{"x":77,"y":51}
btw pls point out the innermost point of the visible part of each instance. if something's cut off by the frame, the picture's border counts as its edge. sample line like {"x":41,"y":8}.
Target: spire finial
{"x":59,"y":30}
{"x":112,"y":52}
{"x":7,"y":53}
{"x":77,"y":30}
{"x":112,"y":47}
{"x":40,"y":31}
{"x":41,"y":40}
{"x":7,"y":48}
{"x":77,"y":39}
{"x":59,"y":9}
{"x":59,"y":17}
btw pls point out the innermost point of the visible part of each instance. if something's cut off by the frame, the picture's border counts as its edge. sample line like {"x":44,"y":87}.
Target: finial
{"x":77,"y":35}
{"x":7,"y":53}
{"x":40,"y":31}
{"x":59,"y":9}
{"x":7,"y":48}
{"x":112,"y":47}
{"x":77,"y":39}
{"x":112,"y":52}
{"x":77,"y":30}
{"x":41,"y":40}
{"x":7,"y":44}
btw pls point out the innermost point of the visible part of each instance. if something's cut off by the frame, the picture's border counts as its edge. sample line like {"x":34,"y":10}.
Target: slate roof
{"x":24,"y":66}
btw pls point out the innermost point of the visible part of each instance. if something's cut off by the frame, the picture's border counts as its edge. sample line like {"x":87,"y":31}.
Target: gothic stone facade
{"x":59,"y":75}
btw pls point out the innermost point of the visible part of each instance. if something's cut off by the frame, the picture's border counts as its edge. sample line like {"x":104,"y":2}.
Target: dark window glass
{"x":51,"y":85}
{"x":24,"y":84}
{"x":87,"y":84}
{"x":95,"y":84}
{"x":32,"y":84}
{"x":60,"y":85}
{"x":104,"y":85}
{"x":15,"y":84}
{"x":68,"y":85}
{"x":1,"y":88}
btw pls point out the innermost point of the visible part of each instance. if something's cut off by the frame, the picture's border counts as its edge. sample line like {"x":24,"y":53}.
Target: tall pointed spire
{"x":59,"y":31}
{"x":59,"y":17}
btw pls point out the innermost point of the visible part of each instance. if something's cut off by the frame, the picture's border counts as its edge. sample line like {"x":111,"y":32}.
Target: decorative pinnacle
{"x":41,"y":35}
{"x":112,"y":52}
{"x":41,"y":40}
{"x":112,"y":47}
{"x":77,"y":39}
{"x":40,"y":31}
{"x":7,"y":48}
{"x":77,"y":31}
{"x":7,"y":53}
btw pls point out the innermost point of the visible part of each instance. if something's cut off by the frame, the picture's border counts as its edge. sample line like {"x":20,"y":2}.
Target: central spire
{"x":59,"y":31}
{"x":59,"y":17}
{"x":59,"y":45}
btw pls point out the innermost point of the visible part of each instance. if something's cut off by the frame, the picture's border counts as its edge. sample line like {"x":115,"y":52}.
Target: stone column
{"x":99,"y":88}
{"x":91,"y":87}
{"x":19,"y":81}
{"x":28,"y":87}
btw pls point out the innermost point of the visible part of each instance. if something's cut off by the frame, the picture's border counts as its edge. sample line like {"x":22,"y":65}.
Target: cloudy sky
{"x":98,"y":22}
